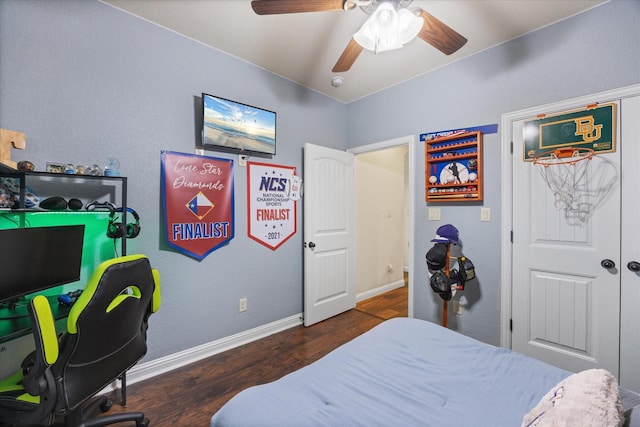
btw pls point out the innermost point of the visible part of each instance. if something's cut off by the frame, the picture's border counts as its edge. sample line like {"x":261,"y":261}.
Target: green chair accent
{"x":106,"y":335}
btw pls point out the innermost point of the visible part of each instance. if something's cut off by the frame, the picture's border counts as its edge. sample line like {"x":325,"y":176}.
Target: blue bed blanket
{"x":403,"y":372}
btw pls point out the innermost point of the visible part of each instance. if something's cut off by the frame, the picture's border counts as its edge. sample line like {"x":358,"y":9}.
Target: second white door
{"x":565,"y":301}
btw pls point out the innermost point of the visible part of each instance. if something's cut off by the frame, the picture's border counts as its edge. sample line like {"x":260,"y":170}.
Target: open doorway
{"x":384,"y":223}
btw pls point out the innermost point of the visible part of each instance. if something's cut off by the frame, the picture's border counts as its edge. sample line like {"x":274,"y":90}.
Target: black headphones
{"x":116,"y":229}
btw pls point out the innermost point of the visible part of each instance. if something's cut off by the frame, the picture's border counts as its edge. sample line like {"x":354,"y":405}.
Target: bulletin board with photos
{"x":453,"y":168}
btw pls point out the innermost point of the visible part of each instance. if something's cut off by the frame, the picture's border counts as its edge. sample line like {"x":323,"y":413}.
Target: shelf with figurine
{"x":453,"y":168}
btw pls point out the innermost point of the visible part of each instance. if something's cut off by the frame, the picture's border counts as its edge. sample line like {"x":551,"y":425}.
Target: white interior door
{"x":565,"y":304}
{"x":329,"y":212}
{"x":630,"y":293}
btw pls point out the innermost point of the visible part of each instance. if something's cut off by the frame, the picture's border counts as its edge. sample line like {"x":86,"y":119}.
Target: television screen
{"x":230,"y":126}
{"x":37,"y":258}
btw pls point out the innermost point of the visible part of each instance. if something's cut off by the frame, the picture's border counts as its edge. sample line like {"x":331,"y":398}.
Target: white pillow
{"x":586,"y":399}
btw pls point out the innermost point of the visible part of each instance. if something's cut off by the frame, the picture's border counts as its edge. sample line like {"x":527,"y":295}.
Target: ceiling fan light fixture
{"x":384,"y":21}
{"x":409,"y":25}
{"x":387,"y":29}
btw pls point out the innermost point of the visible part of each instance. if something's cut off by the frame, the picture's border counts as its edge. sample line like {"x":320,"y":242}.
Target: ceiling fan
{"x":390,"y":25}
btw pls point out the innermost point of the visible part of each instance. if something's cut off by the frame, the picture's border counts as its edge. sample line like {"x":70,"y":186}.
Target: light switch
{"x":485,"y":214}
{"x":433,"y":214}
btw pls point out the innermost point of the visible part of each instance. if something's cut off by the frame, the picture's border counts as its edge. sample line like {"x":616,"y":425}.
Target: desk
{"x":12,"y":328}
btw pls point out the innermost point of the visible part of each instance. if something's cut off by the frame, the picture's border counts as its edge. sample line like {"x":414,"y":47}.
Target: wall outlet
{"x":242,"y":306}
{"x":389,"y":268}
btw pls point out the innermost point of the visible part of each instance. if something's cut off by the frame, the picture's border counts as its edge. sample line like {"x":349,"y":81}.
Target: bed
{"x":406,"y":372}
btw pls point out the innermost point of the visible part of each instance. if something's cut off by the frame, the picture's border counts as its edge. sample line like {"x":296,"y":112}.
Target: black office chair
{"x":106,"y":335}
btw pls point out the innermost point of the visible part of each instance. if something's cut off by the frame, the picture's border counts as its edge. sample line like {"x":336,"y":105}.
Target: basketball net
{"x":564,"y":170}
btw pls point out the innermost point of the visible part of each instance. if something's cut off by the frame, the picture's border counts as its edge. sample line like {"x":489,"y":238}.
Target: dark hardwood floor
{"x":388,"y":305}
{"x":189,"y":396}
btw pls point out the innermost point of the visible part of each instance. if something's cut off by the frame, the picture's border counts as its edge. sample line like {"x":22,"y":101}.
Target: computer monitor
{"x":37,"y":258}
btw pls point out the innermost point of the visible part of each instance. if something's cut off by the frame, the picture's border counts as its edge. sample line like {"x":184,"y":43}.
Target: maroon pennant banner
{"x":198,"y":200}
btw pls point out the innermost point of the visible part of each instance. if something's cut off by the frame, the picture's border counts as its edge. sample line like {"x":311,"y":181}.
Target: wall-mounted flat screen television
{"x":230,"y":126}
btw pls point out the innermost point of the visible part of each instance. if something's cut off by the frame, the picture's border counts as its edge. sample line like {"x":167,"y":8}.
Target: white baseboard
{"x":159,"y":366}
{"x":379,"y":290}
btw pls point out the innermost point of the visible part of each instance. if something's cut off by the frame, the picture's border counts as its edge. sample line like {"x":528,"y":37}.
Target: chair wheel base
{"x":106,"y":405}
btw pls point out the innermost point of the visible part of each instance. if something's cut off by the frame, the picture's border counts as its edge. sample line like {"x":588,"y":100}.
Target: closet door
{"x":565,"y":294}
{"x":630,"y":243}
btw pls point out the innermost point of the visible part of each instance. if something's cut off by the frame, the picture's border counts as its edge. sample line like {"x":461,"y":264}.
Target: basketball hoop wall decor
{"x":564,"y":170}
{"x":562,"y":147}
{"x":592,"y":127}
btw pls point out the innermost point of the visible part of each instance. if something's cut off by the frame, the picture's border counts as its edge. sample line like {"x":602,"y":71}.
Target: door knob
{"x":608,"y":264}
{"x":634,"y":266}
{"x":312,"y":245}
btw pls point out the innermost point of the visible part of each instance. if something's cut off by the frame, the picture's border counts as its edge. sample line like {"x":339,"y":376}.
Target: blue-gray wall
{"x":591,"y":52}
{"x":86,"y":82}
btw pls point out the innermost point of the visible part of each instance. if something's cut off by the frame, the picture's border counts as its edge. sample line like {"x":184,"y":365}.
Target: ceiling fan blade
{"x":348,"y":57}
{"x":275,"y":7}
{"x":440,"y":35}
